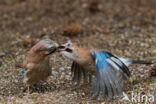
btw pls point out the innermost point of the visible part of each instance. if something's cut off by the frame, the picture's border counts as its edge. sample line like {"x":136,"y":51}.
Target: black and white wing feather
{"x":110,"y":73}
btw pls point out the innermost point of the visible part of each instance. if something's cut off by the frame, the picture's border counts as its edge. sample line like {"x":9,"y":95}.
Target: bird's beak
{"x":53,"y":48}
{"x":64,"y":48}
{"x":61,"y":48}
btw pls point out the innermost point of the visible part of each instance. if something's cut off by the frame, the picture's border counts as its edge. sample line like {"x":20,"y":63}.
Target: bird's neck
{"x":83,"y":55}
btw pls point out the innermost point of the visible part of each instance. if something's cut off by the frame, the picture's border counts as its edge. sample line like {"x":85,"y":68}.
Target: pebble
{"x":69,"y":95}
{"x":2,"y":54}
{"x":83,"y":94}
{"x":154,"y":51}
{"x":68,"y":68}
{"x":16,"y":80}
{"x":62,"y":75}
{"x":142,"y":76}
{"x":61,"y":69}
{"x":140,"y":69}
{"x":67,"y":77}
{"x":54,"y":73}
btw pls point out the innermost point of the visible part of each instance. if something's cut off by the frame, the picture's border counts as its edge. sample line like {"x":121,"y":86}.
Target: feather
{"x":72,"y":67}
{"x":128,"y":62}
{"x":76,"y":72}
{"x":79,"y":73}
{"x":84,"y":73}
{"x":121,"y":65}
{"x":23,"y":72}
{"x":109,"y":74}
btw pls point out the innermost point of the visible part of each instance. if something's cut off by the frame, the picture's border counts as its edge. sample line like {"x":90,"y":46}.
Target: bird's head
{"x":69,"y":49}
{"x":45,"y":47}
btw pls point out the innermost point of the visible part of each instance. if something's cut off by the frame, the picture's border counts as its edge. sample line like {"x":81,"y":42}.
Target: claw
{"x":94,"y":97}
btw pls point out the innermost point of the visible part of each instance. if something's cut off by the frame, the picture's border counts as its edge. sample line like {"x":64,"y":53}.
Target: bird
{"x":109,"y":70}
{"x":36,"y":65}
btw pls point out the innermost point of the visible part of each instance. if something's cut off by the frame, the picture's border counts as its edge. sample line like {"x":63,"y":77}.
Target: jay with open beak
{"x":36,"y":66}
{"x":110,"y":71}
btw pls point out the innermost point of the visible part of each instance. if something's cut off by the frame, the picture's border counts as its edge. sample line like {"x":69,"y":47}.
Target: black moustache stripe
{"x":51,"y":51}
{"x":69,"y":50}
{"x":61,"y":47}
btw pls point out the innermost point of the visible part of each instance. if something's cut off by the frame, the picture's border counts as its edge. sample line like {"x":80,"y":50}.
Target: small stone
{"x":62,"y":75}
{"x":54,"y":73}
{"x":140,"y":69}
{"x":16,"y":80}
{"x":68,"y":68}
{"x":142,"y":76}
{"x":61,"y":69}
{"x":154,"y":51}
{"x":69,"y":95}
{"x":83,"y":94}
{"x":67,"y":77}
{"x":2,"y":54}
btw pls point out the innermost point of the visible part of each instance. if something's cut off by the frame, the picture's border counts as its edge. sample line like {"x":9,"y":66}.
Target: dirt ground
{"x":126,"y":28}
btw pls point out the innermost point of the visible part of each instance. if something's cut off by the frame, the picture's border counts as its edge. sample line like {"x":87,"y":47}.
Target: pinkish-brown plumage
{"x":109,"y":70}
{"x":36,"y":66}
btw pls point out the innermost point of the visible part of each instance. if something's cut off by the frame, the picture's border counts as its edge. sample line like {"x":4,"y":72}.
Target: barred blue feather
{"x":23,"y":72}
{"x":108,"y":74}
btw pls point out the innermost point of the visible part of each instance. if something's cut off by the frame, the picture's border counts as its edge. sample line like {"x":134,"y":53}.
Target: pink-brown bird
{"x":36,"y":66}
{"x":110,"y":71}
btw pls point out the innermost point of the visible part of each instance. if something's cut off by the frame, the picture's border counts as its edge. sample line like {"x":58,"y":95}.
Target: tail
{"x":141,"y":62}
{"x":128,"y":62}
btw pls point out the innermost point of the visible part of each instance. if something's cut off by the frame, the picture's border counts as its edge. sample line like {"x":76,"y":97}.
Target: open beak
{"x":61,"y":48}
{"x":64,"y":48}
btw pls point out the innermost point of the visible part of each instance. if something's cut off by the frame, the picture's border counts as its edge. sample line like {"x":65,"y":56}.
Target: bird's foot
{"x":110,"y":99}
{"x":94,"y":97}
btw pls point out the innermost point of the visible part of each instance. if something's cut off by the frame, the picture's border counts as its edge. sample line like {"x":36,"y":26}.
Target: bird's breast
{"x":40,"y":71}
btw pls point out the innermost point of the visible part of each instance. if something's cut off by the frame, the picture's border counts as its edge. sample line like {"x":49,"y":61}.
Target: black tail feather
{"x":141,"y":62}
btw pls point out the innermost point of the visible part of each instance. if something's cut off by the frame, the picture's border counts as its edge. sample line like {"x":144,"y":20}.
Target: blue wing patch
{"x":109,"y":74}
{"x":101,"y":59}
{"x":23,"y":72}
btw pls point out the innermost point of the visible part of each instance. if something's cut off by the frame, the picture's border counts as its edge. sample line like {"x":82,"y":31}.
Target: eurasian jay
{"x":36,"y":66}
{"x":110,"y":71}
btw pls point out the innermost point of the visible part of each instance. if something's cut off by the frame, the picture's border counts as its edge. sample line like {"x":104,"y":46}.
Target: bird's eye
{"x":69,"y":45}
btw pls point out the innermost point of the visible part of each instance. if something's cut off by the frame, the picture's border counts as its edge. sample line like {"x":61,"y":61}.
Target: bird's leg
{"x":28,"y":90}
{"x":95,"y":93}
{"x":94,"y":96}
{"x":90,"y":78}
{"x":84,"y":76}
{"x":131,"y":81}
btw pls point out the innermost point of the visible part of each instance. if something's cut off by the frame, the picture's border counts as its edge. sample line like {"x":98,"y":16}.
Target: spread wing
{"x":79,"y":73}
{"x":110,"y":73}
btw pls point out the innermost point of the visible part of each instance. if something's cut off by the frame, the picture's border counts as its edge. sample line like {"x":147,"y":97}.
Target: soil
{"x":125,"y":28}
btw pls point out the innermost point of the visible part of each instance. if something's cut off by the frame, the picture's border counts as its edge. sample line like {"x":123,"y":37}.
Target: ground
{"x":126,"y":28}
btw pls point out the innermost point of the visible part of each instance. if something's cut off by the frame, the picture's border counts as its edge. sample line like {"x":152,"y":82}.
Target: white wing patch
{"x":69,"y":55}
{"x":125,"y":61}
{"x":113,"y":64}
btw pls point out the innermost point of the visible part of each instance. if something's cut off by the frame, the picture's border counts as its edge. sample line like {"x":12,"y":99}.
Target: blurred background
{"x":124,"y":27}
